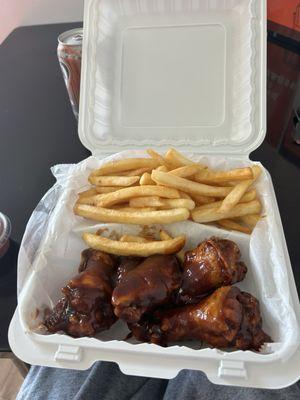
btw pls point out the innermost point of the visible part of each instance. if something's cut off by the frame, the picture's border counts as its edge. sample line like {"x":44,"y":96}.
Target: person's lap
{"x":105,"y":381}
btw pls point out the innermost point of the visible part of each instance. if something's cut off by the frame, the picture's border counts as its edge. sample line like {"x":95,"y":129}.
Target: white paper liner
{"x":50,"y":251}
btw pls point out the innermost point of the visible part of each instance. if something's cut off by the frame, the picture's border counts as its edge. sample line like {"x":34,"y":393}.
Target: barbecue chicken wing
{"x":91,"y":256}
{"x":227,"y":318}
{"x":150,"y":284}
{"x":214,"y":263}
{"x":126,"y":264}
{"x":86,"y":306}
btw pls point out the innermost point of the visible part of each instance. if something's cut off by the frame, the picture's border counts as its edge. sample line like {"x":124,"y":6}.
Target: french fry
{"x":125,"y":217}
{"x":135,"y":172}
{"x":162,"y":168}
{"x":179,"y":160}
{"x":177,"y":203}
{"x":156,"y":156}
{"x":213,"y":214}
{"x":186,"y":171}
{"x":127,"y":208}
{"x":234,"y":226}
{"x":92,"y":200}
{"x":133,"y":248}
{"x":87,"y":193}
{"x":149,"y":201}
{"x":251,"y":220}
{"x":249,"y":196}
{"x":154,"y":201}
{"x":230,"y":183}
{"x":165,"y":236}
{"x":199,"y":199}
{"x":238,"y":191}
{"x":234,"y":196}
{"x":136,"y":191}
{"x":184,"y":195}
{"x":212,"y":177}
{"x":107,"y":189}
{"x":146,"y":179}
{"x":114,"y":180}
{"x":256,"y":171}
{"x":133,"y":238}
{"x":125,"y":165}
{"x":187,"y":186}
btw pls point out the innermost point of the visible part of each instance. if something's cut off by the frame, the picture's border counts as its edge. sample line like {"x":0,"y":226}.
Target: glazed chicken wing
{"x":91,"y":256}
{"x":126,"y":264}
{"x":227,"y":318}
{"x":214,"y":263}
{"x":147,"y":286}
{"x":86,"y":306}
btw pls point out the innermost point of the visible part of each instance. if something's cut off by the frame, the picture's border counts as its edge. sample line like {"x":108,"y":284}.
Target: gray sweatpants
{"x":105,"y":381}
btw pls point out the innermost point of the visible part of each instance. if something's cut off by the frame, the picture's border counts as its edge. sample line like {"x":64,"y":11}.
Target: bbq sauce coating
{"x":150,"y":284}
{"x":89,"y":256}
{"x":212,"y":264}
{"x":126,"y":264}
{"x":86,"y":306}
{"x":226,"y":318}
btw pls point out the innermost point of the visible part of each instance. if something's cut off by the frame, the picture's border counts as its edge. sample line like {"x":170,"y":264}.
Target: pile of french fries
{"x":170,"y":188}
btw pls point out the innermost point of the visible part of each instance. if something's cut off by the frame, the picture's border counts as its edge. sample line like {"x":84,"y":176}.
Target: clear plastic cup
{"x":5,"y":230}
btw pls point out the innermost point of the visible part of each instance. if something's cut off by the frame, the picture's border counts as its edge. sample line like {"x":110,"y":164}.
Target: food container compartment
{"x":58,"y":259}
{"x":161,"y":73}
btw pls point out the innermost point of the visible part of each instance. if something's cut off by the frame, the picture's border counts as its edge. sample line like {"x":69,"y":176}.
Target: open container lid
{"x":185,"y":73}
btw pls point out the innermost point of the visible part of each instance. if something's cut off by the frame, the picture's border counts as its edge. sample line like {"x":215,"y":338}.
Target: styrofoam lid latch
{"x":68,"y":353}
{"x":161,"y":73}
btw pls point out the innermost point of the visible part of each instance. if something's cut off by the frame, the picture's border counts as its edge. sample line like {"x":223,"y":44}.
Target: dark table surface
{"x":38,"y":130}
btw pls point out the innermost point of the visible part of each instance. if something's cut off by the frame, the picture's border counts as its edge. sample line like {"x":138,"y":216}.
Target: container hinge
{"x":68,"y":353}
{"x":233,"y":369}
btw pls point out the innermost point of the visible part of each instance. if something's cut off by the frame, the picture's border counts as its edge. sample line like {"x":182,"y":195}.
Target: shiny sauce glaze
{"x":213,"y":263}
{"x":150,"y":284}
{"x":126,"y":264}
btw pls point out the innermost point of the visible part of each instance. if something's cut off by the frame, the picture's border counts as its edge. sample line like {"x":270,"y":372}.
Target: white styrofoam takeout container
{"x":183,"y":73}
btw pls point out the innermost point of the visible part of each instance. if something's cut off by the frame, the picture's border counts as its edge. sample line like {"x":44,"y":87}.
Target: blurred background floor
{"x":10,"y":379}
